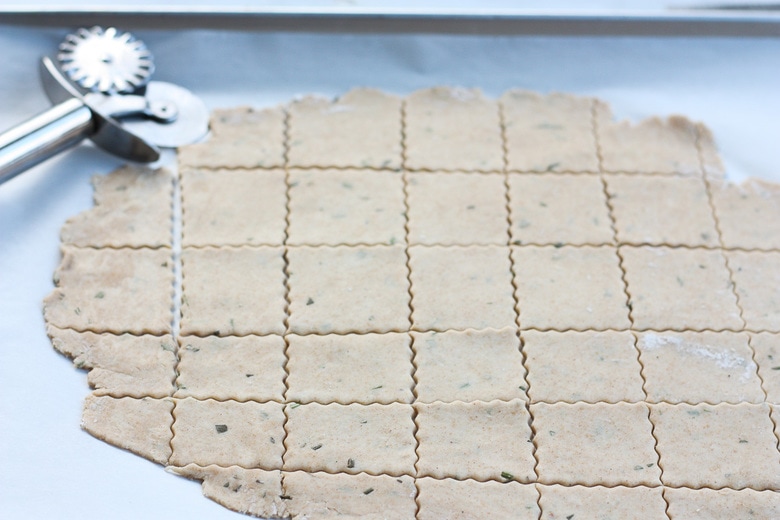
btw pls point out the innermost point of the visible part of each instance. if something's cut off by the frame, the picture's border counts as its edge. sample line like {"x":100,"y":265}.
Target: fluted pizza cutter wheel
{"x":100,"y":86}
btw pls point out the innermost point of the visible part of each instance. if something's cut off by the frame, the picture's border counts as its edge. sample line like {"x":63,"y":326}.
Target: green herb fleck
{"x":523,"y":388}
{"x":100,"y":295}
{"x":315,"y":448}
{"x":191,"y":348}
{"x":226,"y":484}
{"x":167,"y":347}
{"x":378,"y":387}
{"x":775,"y":368}
{"x":558,"y":245}
{"x":309,"y":302}
{"x":569,"y":517}
{"x":465,"y":385}
{"x":79,"y":364}
{"x":743,"y":441}
{"x":543,"y":204}
{"x":238,"y":487}
{"x":368,"y":491}
{"x":249,"y":375}
{"x":507,"y":476}
{"x":350,"y":463}
{"x":552,"y":433}
{"x":552,"y":166}
{"x":650,"y":465}
{"x":273,"y":441}
{"x":294,"y":405}
{"x":221,"y":428}
{"x":77,"y":310}
{"x":638,"y":467}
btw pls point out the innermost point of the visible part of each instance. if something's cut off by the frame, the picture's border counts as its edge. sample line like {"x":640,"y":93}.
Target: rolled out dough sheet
{"x":438,"y":306}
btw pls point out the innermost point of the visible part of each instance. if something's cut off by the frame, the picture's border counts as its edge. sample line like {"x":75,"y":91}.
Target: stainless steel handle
{"x":43,"y":136}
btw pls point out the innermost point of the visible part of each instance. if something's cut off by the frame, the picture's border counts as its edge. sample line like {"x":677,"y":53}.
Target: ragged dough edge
{"x":617,"y":142}
{"x":150,"y":377}
{"x":112,"y":203}
{"x":60,"y":292}
{"x":141,"y":426}
{"x":253,"y":492}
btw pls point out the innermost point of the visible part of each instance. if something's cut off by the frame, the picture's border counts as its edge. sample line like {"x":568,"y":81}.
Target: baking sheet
{"x":51,"y":469}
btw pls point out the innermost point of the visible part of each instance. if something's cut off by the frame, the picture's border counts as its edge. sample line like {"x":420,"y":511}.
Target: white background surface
{"x":50,"y":468}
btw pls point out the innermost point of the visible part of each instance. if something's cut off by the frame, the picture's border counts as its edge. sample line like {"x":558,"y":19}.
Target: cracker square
{"x":368,"y":368}
{"x":551,"y":133}
{"x":569,"y":288}
{"x":99,"y":290}
{"x":251,"y":367}
{"x":767,"y":355}
{"x":471,"y":500}
{"x":133,"y":208}
{"x":696,"y":367}
{"x":739,"y":207}
{"x":588,"y":444}
{"x":716,"y":446}
{"x":142,"y":426}
{"x":559,"y":209}
{"x":582,"y":366}
{"x":348,"y":289}
{"x":233,"y":291}
{"x":655,"y":210}
{"x":757,"y":282}
{"x":316,"y":496}
{"x":461,"y":287}
{"x":706,"y":504}
{"x":227,"y":433}
{"x":233,"y":207}
{"x":240,"y":138}
{"x":457,"y":208}
{"x":125,"y":365}
{"x":346,"y":207}
{"x":468,"y":366}
{"x":363,"y":129}
{"x":624,"y":503}
{"x":477,"y":440}
{"x":355,"y":438}
{"x":666,"y":146}
{"x":679,"y":289}
{"x":452,"y":129}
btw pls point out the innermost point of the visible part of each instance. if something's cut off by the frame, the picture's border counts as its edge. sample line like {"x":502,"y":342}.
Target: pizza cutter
{"x":100,"y":85}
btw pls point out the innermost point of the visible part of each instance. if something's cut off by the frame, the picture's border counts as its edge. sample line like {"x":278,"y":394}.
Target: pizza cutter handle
{"x":55,"y":130}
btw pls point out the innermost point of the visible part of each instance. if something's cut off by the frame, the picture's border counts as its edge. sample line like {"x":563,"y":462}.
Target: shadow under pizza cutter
{"x":100,"y":86}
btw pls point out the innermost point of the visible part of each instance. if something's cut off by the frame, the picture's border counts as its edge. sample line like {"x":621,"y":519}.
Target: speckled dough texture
{"x":436,"y":306}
